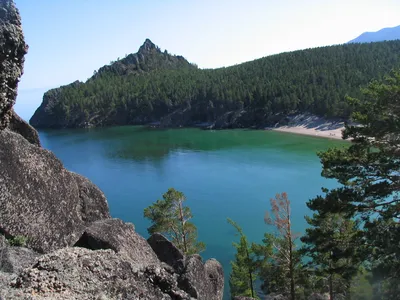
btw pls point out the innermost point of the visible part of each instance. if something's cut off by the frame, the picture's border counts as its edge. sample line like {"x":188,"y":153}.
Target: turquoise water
{"x":223,"y":174}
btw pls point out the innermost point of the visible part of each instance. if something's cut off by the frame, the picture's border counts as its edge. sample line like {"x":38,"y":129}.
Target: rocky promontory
{"x":57,"y":239}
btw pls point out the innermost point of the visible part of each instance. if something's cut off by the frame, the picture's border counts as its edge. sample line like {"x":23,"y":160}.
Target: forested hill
{"x":153,"y":86}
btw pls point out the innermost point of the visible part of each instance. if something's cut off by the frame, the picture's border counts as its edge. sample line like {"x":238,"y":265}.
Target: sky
{"x":68,"y":40}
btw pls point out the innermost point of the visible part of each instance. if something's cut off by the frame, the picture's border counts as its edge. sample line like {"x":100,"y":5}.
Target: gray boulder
{"x":119,"y":236}
{"x":23,"y":128}
{"x":167,"y":252}
{"x":202,"y":281}
{"x":12,"y":51}
{"x":78,"y":273}
{"x":15,"y":259}
{"x":40,"y":199}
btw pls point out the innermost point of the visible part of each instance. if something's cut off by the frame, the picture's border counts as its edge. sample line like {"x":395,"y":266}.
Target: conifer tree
{"x":170,"y":217}
{"x":332,"y":244}
{"x":242,"y":277}
{"x":369,"y":173}
{"x":285,"y":256}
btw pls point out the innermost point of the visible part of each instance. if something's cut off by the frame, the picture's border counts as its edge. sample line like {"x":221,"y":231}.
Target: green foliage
{"x":170,"y":217}
{"x":145,"y":88}
{"x":278,"y":260}
{"x":18,"y":240}
{"x":242,"y":277}
{"x":369,"y":174}
{"x":332,"y":245}
{"x":361,"y":287}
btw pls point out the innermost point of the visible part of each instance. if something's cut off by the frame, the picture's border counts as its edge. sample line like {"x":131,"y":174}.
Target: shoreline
{"x":335,"y":134}
{"x":311,"y":125}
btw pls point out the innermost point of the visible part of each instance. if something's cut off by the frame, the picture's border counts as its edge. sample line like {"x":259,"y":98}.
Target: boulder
{"x":202,"y":281}
{"x":12,"y":51}
{"x":78,"y":273}
{"x":40,"y":199}
{"x":23,"y":128}
{"x":15,"y":259}
{"x":119,"y":236}
{"x":167,"y":252}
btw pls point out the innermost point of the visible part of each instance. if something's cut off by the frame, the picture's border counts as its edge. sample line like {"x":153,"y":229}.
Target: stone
{"x":119,"y":236}
{"x":40,"y":199}
{"x":12,"y":51}
{"x":18,"y":125}
{"x":202,"y":281}
{"x":167,"y":252}
{"x":15,"y":259}
{"x":78,"y":273}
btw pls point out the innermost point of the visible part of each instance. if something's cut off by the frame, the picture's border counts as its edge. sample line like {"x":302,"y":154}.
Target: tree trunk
{"x":183,"y":227}
{"x":330,"y":287}
{"x":291,"y":262}
{"x":250,"y":272}
{"x":291,"y":273}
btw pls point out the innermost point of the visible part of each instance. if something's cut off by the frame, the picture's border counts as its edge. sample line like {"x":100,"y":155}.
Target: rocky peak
{"x":147,"y":46}
{"x":12,"y":51}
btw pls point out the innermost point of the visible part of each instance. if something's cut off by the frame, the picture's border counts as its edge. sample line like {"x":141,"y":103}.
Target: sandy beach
{"x":313,"y":126}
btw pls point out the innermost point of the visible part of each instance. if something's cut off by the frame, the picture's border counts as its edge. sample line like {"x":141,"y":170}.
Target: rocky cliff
{"x":57,"y":239}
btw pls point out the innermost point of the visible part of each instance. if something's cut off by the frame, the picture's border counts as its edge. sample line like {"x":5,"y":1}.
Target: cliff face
{"x":13,"y":49}
{"x":69,"y":247}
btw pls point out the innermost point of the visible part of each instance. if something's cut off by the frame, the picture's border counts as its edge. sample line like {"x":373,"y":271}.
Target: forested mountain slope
{"x":154,"y":86}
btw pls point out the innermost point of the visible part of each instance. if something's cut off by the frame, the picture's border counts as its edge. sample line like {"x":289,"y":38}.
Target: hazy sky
{"x":69,"y":39}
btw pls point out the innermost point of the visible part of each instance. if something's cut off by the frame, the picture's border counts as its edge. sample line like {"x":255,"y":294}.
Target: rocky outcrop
{"x":119,"y":236}
{"x":192,"y":278}
{"x":113,"y":273}
{"x":15,"y":259}
{"x":40,"y":199}
{"x":167,"y":252}
{"x":18,"y":125}
{"x":12,"y":51}
{"x":77,"y":273}
{"x":200,"y":280}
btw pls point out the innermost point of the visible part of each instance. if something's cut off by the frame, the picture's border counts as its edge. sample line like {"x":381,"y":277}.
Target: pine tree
{"x":332,"y":244}
{"x":170,"y":217}
{"x":285,"y":256}
{"x":369,"y":173}
{"x":242,"y":277}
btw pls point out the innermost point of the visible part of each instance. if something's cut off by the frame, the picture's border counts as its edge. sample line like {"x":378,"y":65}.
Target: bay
{"x":229,"y":173}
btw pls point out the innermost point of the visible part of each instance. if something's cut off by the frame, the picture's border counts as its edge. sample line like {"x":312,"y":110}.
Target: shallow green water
{"x":230,"y":173}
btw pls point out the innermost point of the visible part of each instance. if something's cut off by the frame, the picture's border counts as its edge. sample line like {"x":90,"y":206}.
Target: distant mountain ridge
{"x":385,"y":34}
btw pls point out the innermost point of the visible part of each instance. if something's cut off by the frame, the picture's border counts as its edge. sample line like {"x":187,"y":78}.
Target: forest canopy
{"x":154,"y":86}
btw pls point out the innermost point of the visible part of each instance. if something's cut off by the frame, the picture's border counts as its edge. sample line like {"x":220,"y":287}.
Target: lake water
{"x":231,"y":173}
